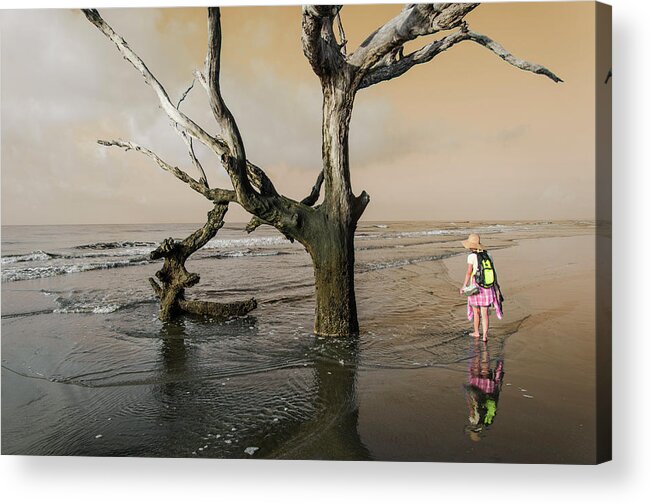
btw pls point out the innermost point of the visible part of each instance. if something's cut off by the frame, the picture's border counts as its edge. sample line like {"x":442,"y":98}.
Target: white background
{"x":627,"y":478}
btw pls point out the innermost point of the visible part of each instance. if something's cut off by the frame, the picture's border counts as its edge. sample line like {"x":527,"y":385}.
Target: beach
{"x":87,"y":369}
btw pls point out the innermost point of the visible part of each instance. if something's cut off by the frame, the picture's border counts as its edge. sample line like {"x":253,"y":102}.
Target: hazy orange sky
{"x":465,"y":136}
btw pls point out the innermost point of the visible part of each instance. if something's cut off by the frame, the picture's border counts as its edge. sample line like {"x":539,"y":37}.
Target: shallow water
{"x":87,"y":368}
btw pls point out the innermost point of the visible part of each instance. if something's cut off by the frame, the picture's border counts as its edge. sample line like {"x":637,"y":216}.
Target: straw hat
{"x":473,"y":242}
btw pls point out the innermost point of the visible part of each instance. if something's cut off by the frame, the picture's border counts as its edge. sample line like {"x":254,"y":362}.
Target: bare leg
{"x":484,"y":322}
{"x":475,"y":321}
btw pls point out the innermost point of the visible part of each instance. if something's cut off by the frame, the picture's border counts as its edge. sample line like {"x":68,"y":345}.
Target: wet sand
{"x":549,"y":284}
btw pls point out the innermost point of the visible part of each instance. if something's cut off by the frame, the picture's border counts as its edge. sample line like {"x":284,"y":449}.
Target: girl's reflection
{"x":482,"y":391}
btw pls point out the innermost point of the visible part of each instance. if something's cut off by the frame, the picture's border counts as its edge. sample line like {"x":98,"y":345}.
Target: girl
{"x":480,"y":302}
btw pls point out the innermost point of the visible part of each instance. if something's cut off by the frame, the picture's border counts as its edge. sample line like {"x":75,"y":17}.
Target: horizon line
{"x":450,"y":221}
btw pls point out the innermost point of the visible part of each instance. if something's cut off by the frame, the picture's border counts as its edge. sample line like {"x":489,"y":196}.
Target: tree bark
{"x":331,"y":242}
{"x":333,"y":257}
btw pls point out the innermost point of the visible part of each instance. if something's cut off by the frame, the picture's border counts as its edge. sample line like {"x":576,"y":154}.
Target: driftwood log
{"x":174,"y":278}
{"x":326,"y":230}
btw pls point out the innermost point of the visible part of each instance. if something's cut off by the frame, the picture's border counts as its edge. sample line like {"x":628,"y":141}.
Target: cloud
{"x":64,"y":85}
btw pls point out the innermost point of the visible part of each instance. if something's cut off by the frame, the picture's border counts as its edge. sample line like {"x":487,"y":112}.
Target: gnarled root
{"x":174,"y":278}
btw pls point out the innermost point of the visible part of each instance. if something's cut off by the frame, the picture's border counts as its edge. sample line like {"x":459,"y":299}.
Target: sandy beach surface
{"x":547,"y":403}
{"x":87,"y":369}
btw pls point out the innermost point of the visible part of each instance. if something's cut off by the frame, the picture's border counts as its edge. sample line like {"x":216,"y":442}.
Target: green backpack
{"x":485,"y":275}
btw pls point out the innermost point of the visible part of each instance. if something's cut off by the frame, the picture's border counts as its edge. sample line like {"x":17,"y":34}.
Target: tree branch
{"x":267,"y":205}
{"x":203,"y":235}
{"x":215,"y":195}
{"x":222,"y":115}
{"x":309,"y":200}
{"x":254,"y":224}
{"x":236,"y":167}
{"x":509,"y":58}
{"x":197,"y":164}
{"x":414,"y":21}
{"x":173,"y":112}
{"x":255,"y":175}
{"x":342,"y":34}
{"x":281,"y":212}
{"x":313,"y":197}
{"x":185,"y":94}
{"x":317,"y":36}
{"x":188,"y":140}
{"x":181,"y":250}
{"x":361,"y":202}
{"x":259,"y":179}
{"x":391,"y":68}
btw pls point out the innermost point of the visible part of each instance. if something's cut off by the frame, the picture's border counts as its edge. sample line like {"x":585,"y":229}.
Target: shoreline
{"x":553,"y":354}
{"x":546,"y":408}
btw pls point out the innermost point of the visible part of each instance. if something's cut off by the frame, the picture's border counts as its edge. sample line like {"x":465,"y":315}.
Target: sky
{"x":463,"y":137}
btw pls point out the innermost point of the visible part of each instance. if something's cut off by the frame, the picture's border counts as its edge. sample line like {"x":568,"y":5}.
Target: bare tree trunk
{"x":331,"y":242}
{"x":333,"y":257}
{"x":174,"y":278}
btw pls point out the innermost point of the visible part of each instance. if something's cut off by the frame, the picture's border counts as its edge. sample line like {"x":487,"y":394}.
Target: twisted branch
{"x":414,"y":21}
{"x":390,"y":68}
{"x":192,"y":128}
{"x":216,"y":195}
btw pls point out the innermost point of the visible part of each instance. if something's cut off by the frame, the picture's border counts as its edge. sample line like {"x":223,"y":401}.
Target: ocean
{"x":88,"y":369}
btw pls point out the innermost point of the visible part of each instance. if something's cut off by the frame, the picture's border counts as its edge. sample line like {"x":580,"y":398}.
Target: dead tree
{"x":327,"y":230}
{"x":174,"y":278}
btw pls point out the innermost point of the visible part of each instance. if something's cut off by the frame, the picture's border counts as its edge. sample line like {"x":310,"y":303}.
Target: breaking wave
{"x":97,"y":308}
{"x":116,"y":245}
{"x":37,"y":255}
{"x":13,"y":275}
{"x":95,"y":301}
{"x":246,"y":243}
{"x":245,"y":253}
{"x":399,"y":263}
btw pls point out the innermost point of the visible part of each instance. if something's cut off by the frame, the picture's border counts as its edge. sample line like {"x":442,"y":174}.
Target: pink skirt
{"x":485,"y":297}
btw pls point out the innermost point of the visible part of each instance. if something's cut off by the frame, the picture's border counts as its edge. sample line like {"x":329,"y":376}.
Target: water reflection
{"x":323,"y":427}
{"x":173,"y":349}
{"x":331,"y":432}
{"x":482,"y":390}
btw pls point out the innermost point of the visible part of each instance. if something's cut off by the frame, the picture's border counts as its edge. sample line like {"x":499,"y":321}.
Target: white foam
{"x":13,"y":275}
{"x":249,"y":253}
{"x":246,"y":242}
{"x":37,"y":255}
{"x":88,"y":308}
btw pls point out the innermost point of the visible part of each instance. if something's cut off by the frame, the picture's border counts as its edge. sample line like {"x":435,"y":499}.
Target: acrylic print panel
{"x":273,"y":267}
